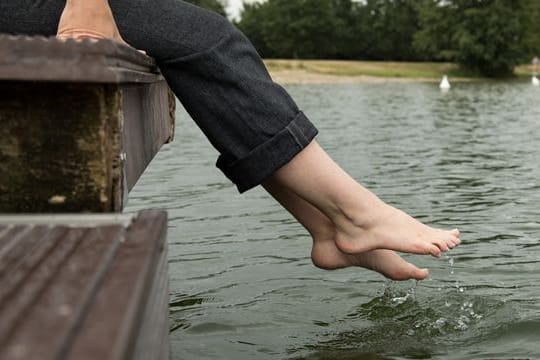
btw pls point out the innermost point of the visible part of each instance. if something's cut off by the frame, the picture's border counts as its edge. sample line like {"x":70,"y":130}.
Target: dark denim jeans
{"x":213,"y":70}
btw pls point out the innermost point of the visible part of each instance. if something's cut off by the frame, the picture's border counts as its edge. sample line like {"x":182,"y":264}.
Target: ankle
{"x":358,"y":209}
{"x":359,"y":215}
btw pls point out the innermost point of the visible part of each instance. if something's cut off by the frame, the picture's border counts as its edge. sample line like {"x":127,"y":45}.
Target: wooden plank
{"x":60,"y":147}
{"x":118,"y":301}
{"x":142,"y":139}
{"x":86,"y":291}
{"x":152,"y":341}
{"x":25,"y":58}
{"x":80,"y":123}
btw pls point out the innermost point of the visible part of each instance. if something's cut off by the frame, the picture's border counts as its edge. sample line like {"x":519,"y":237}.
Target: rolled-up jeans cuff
{"x":268,"y":157}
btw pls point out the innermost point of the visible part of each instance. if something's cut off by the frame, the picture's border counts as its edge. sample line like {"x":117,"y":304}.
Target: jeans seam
{"x":296,"y":132}
{"x":198,"y":54}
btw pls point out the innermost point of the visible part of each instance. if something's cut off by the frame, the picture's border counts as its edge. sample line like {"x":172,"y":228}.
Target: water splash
{"x":457,"y":286}
{"x":406,"y":322}
{"x":450,"y":261}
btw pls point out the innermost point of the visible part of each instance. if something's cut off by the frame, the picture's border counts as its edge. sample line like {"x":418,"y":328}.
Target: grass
{"x":417,"y":70}
{"x":524,"y":70}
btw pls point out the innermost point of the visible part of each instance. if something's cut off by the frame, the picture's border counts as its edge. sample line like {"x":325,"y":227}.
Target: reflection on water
{"x":242,"y":286}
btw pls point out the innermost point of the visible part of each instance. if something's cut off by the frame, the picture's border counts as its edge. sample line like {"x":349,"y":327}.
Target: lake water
{"x":242,"y":284}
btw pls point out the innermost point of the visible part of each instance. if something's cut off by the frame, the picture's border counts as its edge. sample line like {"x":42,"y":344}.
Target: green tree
{"x":344,"y":29}
{"x":301,"y":28}
{"x":487,"y":36}
{"x":296,"y":28}
{"x":483,"y":35}
{"x":253,"y":16}
{"x":385,"y":30}
{"x":532,"y":37}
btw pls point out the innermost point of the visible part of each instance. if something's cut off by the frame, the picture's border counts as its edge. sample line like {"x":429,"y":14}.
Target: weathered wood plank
{"x":91,"y":289}
{"x":79,"y":123}
{"x":60,"y":147}
{"x":37,"y":58}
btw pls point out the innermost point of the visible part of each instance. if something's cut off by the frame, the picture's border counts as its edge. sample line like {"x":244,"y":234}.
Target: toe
{"x":407,"y":272}
{"x":442,"y":244}
{"x":451,"y":242}
{"x":415,"y":273}
{"x":433,"y":250}
{"x":419,"y":274}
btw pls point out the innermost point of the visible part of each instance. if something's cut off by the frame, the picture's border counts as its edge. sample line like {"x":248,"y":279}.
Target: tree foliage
{"x":387,"y":28}
{"x":300,"y":28}
{"x":490,"y":36}
{"x":484,"y":35}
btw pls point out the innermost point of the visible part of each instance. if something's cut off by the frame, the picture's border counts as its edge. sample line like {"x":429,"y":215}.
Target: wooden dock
{"x":79,"y":287}
{"x":79,"y":123}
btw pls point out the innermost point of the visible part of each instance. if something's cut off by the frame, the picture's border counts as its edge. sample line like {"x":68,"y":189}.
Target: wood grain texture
{"x":37,"y":58}
{"x":85,"y":292}
{"x":79,"y":128}
{"x":60,"y":145}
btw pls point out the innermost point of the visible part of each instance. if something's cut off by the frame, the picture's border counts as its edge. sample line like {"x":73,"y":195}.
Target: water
{"x":243,"y":287}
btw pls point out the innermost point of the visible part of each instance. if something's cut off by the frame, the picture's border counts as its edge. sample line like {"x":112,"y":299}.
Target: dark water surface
{"x":243,"y":287}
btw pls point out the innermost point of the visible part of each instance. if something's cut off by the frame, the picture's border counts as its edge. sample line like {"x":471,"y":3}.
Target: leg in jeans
{"x":258,"y":129}
{"x":211,"y":67}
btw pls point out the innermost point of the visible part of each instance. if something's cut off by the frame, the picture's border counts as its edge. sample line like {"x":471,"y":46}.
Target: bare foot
{"x":363,"y":222}
{"x":326,"y":255}
{"x":82,"y":19}
{"x":386,"y":227}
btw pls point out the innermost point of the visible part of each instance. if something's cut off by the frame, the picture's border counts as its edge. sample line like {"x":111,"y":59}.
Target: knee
{"x":170,"y":29}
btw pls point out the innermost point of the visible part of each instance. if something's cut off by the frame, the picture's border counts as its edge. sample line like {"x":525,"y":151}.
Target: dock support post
{"x":79,"y":123}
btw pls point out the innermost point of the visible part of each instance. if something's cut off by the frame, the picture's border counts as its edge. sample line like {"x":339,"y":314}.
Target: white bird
{"x":535,"y":81}
{"x":445,"y":84}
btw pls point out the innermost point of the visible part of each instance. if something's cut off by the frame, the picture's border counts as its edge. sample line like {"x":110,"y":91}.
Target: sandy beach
{"x":349,"y":72}
{"x":307,"y":77}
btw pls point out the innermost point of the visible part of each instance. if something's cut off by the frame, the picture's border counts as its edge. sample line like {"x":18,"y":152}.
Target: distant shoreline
{"x":306,"y":77}
{"x":343,"y":72}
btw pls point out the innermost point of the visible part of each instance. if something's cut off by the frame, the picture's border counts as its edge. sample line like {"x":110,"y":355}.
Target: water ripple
{"x":242,"y":286}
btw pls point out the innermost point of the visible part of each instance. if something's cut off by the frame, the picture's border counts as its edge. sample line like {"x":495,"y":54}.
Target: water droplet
{"x":439,"y":323}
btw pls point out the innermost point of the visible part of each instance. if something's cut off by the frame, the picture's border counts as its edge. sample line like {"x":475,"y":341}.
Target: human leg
{"x":362,"y":221}
{"x":252,"y":121}
{"x":326,"y":255}
{"x":266,"y":130}
{"x":213,"y":70}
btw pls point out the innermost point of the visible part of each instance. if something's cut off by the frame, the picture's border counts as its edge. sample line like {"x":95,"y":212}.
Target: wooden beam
{"x":79,"y":123}
{"x":80,"y":289}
